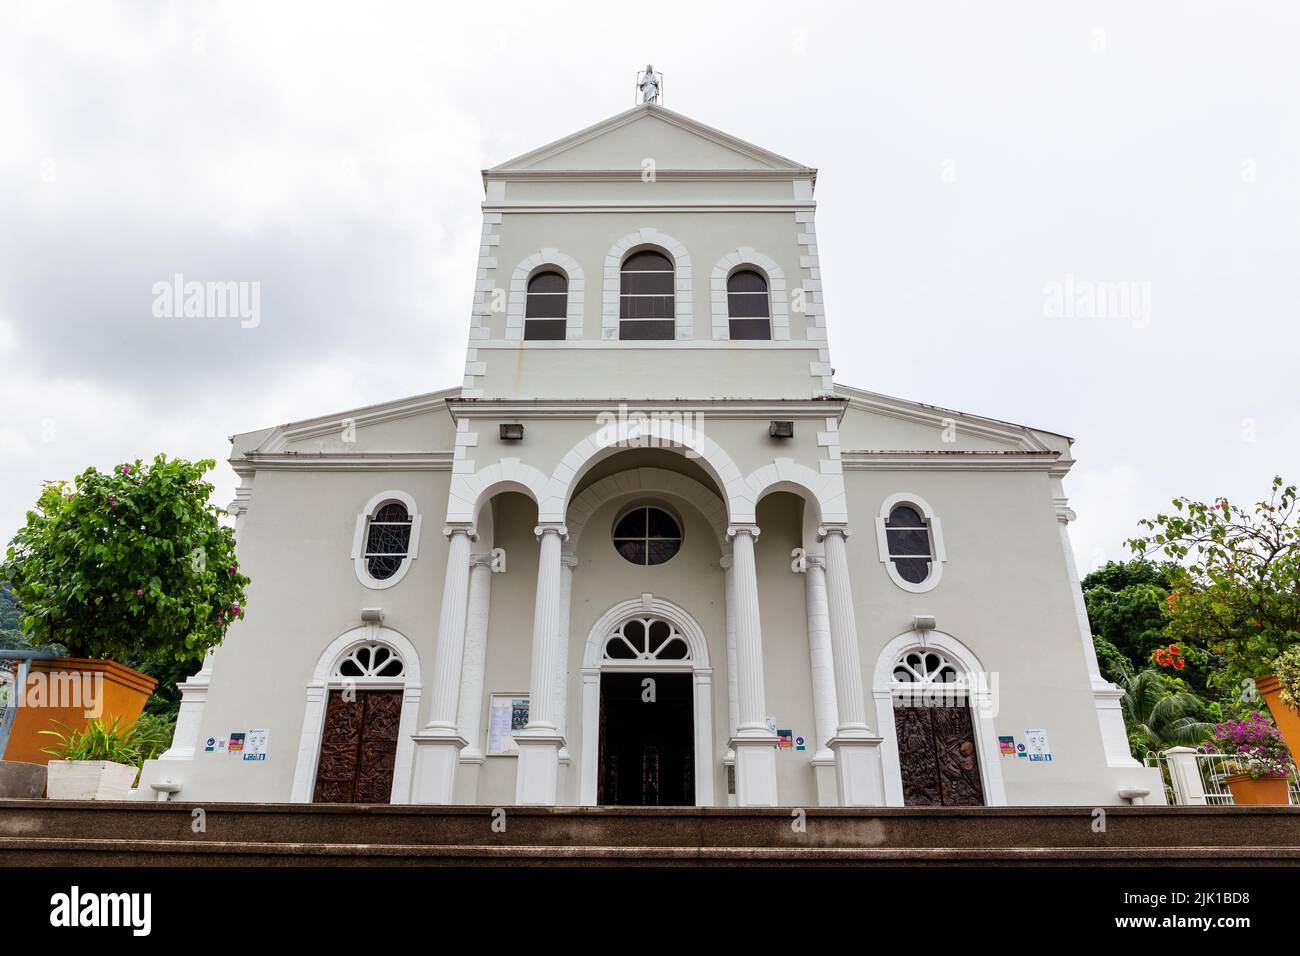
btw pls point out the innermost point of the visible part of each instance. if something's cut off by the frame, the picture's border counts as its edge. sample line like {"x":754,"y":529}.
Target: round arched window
{"x":647,"y":535}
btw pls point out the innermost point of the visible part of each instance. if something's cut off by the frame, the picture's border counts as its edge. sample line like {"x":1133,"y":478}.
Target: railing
{"x":14,"y":697}
{"x":1195,"y":778}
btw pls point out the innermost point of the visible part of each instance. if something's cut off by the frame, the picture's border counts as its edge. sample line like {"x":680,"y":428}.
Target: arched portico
{"x":631,"y":430}
{"x":696,"y":663}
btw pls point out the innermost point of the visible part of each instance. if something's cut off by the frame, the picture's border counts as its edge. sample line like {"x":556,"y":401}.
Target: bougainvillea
{"x":1255,"y":746}
{"x":128,"y":564}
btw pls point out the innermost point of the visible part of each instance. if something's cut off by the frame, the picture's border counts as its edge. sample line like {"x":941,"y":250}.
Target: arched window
{"x":546,"y":306}
{"x":908,"y":538}
{"x":646,"y":306}
{"x":923,"y":666}
{"x":371,"y":659}
{"x":647,"y":535}
{"x":748,"y":307}
{"x":388,"y":540}
{"x":646,"y":639}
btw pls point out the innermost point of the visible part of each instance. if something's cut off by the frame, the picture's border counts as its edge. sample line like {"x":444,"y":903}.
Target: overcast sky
{"x":972,"y":157}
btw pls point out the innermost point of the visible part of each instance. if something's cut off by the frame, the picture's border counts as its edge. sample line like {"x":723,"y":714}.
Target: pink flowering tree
{"x":128,"y":564}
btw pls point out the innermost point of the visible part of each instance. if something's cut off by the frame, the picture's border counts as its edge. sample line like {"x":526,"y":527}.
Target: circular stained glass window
{"x":647,"y":535}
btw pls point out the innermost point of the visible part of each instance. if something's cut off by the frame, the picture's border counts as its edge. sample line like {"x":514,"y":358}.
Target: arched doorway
{"x":935,"y":708}
{"x":647,"y":708}
{"x":361,"y":708}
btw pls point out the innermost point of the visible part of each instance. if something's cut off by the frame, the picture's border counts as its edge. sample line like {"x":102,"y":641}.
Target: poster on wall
{"x":785,"y":739}
{"x":507,"y":714}
{"x":255,"y":745}
{"x":236,"y":743}
{"x":1007,"y":746}
{"x":1037,"y":747}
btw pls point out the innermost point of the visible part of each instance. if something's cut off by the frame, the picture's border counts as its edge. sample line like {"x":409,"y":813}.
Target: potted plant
{"x":122,"y":566}
{"x":96,"y":762}
{"x":1281,"y":691}
{"x":1259,"y":762}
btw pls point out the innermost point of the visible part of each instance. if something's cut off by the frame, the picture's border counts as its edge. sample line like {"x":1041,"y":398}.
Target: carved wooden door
{"x":358,"y":747}
{"x":938,"y":757}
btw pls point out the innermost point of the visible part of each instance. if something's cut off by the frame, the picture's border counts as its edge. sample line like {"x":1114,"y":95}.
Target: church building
{"x":648,"y":551}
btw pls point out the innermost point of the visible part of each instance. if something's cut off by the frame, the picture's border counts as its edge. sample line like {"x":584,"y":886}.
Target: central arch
{"x":696,"y":663}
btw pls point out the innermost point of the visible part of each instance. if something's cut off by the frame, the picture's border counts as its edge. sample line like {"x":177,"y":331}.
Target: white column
{"x":857,"y":751}
{"x":567,"y":563}
{"x":438,"y":746}
{"x":825,"y":715}
{"x":733,"y":700}
{"x":469,"y":716}
{"x":539,"y":742}
{"x":194,"y":696}
{"x":1106,"y":696}
{"x":754,"y":743}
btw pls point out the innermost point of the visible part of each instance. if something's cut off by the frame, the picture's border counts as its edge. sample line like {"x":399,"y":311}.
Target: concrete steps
{"x":45,"y":832}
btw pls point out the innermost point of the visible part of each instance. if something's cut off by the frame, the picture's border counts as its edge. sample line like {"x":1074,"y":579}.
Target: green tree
{"x":11,"y":632}
{"x":1235,"y":590}
{"x":132,"y":565}
{"x":1115,"y":665}
{"x":1126,"y":607}
{"x":1159,"y":713}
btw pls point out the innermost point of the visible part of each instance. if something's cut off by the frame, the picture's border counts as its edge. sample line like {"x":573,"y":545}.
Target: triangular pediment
{"x":673,"y":141}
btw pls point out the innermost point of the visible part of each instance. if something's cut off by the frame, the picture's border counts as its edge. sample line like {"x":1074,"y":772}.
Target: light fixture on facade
{"x":781,"y":429}
{"x":512,"y":431}
{"x":924,"y":622}
{"x":372,"y":615}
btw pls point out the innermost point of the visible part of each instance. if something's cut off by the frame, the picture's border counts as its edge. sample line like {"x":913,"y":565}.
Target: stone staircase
{"x":72,"y":833}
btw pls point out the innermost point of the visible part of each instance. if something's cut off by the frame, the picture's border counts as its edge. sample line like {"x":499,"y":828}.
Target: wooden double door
{"x":938,"y":756}
{"x":358,"y":747}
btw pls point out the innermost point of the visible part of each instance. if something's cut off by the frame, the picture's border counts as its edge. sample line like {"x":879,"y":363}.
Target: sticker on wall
{"x":771,"y":725}
{"x":800,"y":743}
{"x":255,"y":745}
{"x":785,"y":739}
{"x":1007,"y":746}
{"x":210,"y":745}
{"x":1020,"y":750}
{"x":1040,"y":751}
{"x":236,"y":744}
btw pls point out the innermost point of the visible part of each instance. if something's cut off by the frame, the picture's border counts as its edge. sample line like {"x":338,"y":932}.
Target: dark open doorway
{"x":647,"y":747}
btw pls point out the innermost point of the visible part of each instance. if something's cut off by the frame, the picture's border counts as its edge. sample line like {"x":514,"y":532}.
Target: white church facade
{"x":648,"y":551}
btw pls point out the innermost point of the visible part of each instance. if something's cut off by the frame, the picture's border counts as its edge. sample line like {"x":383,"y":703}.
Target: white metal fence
{"x":1193,"y":777}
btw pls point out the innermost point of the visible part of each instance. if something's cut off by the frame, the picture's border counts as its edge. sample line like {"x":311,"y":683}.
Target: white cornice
{"x":632,"y":345}
{"x":588,"y":408}
{"x":637,"y":205}
{"x":756,"y":153}
{"x":856,"y":460}
{"x":636,"y":175}
{"x":329,"y":425}
{"x":343,"y":461}
{"x":1019,"y":435}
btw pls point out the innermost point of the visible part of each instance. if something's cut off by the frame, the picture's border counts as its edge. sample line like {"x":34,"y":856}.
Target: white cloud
{"x":332,"y":152}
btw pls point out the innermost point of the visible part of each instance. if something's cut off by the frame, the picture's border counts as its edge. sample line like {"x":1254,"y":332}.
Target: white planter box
{"x":89,"y":780}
